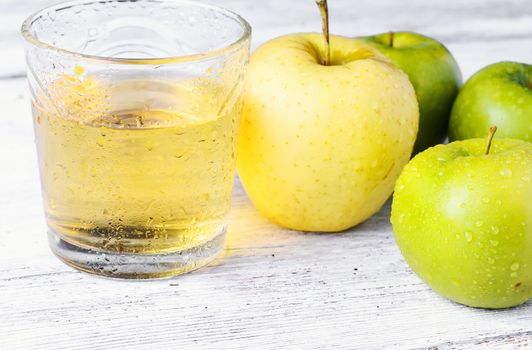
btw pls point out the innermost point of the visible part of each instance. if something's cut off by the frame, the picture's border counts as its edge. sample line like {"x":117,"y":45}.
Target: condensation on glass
{"x":136,"y":108}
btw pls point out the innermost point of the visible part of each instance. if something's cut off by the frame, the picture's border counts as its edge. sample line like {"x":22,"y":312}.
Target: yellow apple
{"x":320,"y":146}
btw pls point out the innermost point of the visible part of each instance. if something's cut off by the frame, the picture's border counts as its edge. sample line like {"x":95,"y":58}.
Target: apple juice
{"x":134,"y":166}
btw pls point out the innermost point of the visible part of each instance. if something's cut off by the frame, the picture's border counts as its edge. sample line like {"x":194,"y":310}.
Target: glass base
{"x":136,"y":266}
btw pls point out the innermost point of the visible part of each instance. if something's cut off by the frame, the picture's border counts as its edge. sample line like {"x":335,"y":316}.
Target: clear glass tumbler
{"x":136,"y":107}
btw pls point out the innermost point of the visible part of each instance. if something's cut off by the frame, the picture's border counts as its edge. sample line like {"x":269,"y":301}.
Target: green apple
{"x":463,"y":221}
{"x":500,"y":94}
{"x":433,"y":72}
{"x":324,"y":134}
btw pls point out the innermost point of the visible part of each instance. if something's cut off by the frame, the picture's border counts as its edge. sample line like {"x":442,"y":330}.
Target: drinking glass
{"x":136,"y":107}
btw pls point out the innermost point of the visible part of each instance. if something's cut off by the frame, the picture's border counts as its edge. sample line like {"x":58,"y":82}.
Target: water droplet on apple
{"x":468,"y":236}
{"x":479,"y":223}
{"x":505,"y":172}
{"x":491,"y":260}
{"x":495,"y":230}
{"x":485,"y":199}
{"x":494,"y":243}
{"x":514,"y":267}
{"x":513,"y":274}
{"x":455,"y":282}
{"x":401,"y":218}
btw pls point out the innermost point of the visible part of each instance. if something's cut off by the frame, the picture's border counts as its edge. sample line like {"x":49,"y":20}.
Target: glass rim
{"x":32,"y":39}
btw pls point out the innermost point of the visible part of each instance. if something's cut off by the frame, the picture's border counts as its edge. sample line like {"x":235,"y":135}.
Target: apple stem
{"x":390,"y":42}
{"x":324,"y":11}
{"x":491,"y":133}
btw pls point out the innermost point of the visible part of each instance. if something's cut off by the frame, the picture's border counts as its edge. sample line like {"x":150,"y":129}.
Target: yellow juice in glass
{"x":150,"y":172}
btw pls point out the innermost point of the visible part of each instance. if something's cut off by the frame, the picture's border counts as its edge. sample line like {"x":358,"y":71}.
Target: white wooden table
{"x":274,"y":288}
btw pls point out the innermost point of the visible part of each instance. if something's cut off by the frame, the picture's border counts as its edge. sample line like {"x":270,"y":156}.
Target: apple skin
{"x":463,"y":221}
{"x":433,"y":72}
{"x":320,"y":147}
{"x":499,"y":94}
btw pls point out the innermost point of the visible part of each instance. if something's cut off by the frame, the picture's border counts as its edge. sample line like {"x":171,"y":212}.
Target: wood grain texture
{"x":274,"y":288}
